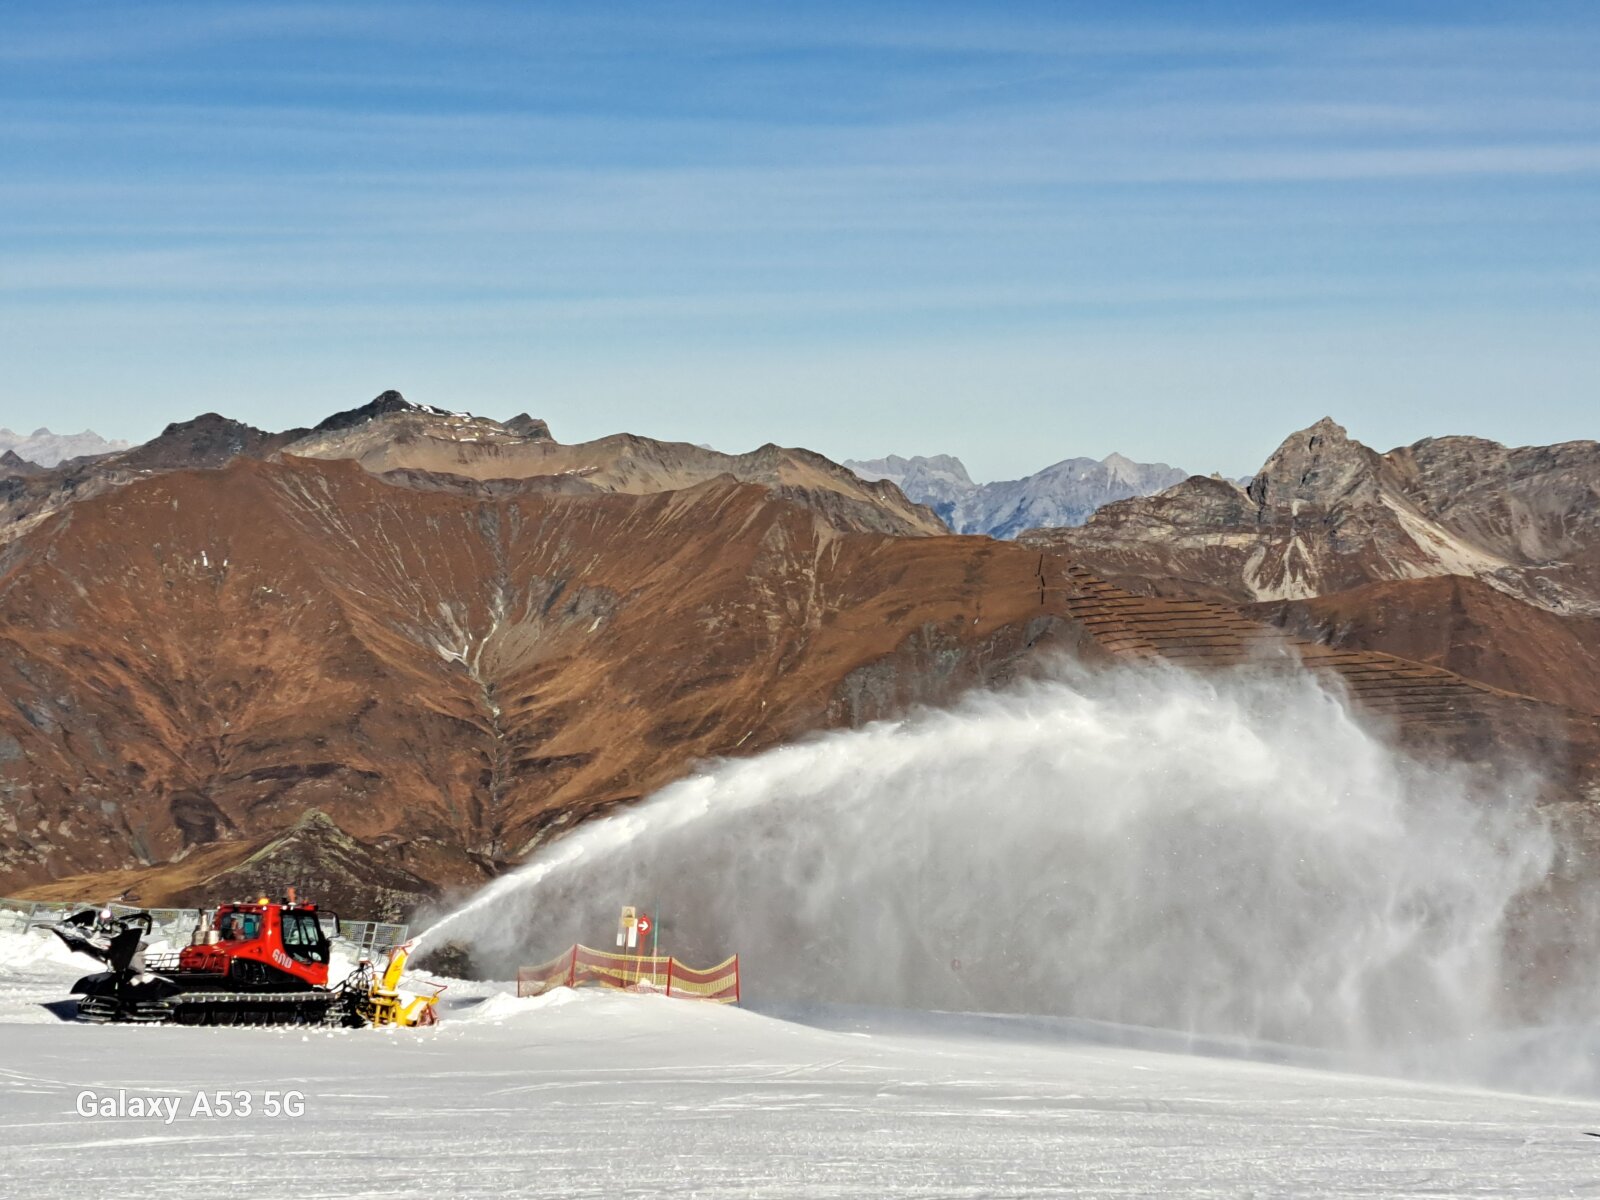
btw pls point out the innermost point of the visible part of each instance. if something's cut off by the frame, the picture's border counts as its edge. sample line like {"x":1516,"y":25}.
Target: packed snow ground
{"x":600,"y":1094}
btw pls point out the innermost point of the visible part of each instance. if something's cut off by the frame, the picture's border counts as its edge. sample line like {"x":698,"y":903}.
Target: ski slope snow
{"x":604,"y":1094}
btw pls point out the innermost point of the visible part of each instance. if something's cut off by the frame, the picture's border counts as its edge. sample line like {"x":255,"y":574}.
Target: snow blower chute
{"x":250,"y":964}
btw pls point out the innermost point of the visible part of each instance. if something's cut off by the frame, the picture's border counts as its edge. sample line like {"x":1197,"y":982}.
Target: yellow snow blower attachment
{"x":384,"y":1005}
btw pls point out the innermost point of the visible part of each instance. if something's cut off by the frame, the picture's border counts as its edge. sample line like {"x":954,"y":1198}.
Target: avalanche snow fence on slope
{"x":580,"y":966}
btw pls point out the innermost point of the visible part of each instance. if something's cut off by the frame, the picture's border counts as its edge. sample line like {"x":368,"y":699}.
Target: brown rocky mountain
{"x":199,"y":656}
{"x":390,"y":655}
{"x":1326,"y":513}
{"x":208,"y":441}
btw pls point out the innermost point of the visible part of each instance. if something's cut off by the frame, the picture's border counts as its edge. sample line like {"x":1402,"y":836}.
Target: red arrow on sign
{"x":642,"y":925}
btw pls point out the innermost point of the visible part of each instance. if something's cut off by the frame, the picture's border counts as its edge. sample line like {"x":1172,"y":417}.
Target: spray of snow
{"x":1231,"y":856}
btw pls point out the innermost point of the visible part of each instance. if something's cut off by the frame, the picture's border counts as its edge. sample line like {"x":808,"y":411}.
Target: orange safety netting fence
{"x":582,"y":966}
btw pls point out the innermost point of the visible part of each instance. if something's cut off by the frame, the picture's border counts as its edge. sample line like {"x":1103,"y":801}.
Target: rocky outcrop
{"x":14,"y":467}
{"x":207,"y":442}
{"x":382,"y":405}
{"x":1065,"y":494}
{"x":1326,"y":513}
{"x":529,"y":427}
{"x":322,"y":862}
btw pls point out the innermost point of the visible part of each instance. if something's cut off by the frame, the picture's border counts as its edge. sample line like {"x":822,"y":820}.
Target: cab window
{"x":239,"y":927}
{"x":303,"y":939}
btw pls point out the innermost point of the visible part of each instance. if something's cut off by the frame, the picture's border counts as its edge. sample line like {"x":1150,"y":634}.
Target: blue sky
{"x":1012,"y":232}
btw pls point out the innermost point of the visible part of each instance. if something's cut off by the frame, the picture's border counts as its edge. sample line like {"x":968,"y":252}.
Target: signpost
{"x":633,"y":927}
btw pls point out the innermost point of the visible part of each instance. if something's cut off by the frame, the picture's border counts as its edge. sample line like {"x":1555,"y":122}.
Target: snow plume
{"x":1231,"y":856}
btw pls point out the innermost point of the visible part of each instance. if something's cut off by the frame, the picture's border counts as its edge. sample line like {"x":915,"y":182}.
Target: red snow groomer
{"x":249,"y":964}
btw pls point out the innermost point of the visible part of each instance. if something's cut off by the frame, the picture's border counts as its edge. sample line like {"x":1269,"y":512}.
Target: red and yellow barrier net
{"x":585,"y":967}
{"x":720,"y":984}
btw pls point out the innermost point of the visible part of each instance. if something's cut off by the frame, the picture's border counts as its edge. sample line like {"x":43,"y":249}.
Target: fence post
{"x":670,"y":961}
{"x":572,"y":969}
{"x":736,"y":981}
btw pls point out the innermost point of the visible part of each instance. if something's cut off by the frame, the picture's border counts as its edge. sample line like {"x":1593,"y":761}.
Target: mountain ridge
{"x":1327,"y":513}
{"x":46,"y":449}
{"x":1063,"y":494}
{"x":456,"y":638}
{"x":402,"y":442}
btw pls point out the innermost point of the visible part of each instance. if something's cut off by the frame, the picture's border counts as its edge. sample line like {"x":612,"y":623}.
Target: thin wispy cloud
{"x":210,"y":186}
